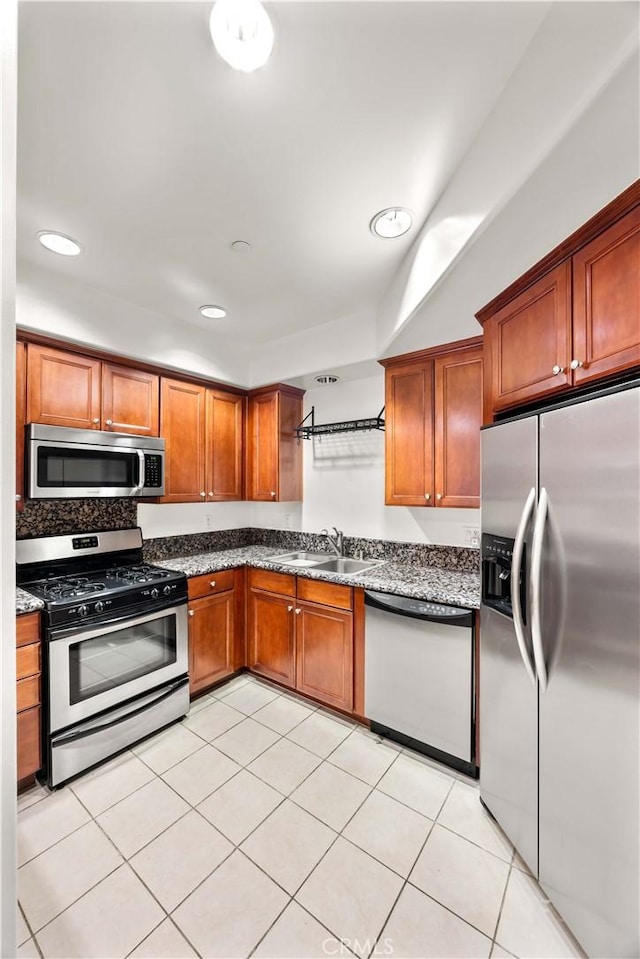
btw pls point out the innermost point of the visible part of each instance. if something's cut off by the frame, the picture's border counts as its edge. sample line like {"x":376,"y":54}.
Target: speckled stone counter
{"x":419,"y":582}
{"x":26,"y":603}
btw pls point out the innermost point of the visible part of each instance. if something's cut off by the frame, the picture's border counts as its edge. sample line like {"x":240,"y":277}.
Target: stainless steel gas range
{"x":115,"y":645}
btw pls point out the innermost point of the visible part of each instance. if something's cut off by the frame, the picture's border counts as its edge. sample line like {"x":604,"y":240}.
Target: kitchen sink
{"x":301,"y":558}
{"x":346,"y":566}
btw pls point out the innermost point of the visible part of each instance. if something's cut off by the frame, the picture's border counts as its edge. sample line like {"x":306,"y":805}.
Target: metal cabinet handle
{"x":18,"y":497}
{"x":516,"y":566}
{"x":190,"y":612}
{"x":109,"y":422}
{"x":273,"y":494}
{"x":212,"y":583}
{"x":557,"y":369}
{"x":427,"y":496}
{"x":210,"y":492}
{"x":298,"y":611}
{"x":536,"y":573}
{"x":96,"y":419}
{"x":203,"y":494}
{"x":289,"y":608}
{"x":438,"y":495}
{"x":576,"y":364}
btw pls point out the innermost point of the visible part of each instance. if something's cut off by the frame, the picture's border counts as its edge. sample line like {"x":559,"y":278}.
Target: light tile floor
{"x":263,"y":826}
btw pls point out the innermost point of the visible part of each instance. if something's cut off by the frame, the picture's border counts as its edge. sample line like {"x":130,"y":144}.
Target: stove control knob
{"x":83,"y":610}
{"x":166,"y":590}
{"x":155,"y":593}
{"x":99,"y":606}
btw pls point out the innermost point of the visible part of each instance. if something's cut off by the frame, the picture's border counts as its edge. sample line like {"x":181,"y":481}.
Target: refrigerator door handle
{"x":516,"y":566}
{"x":536,"y":573}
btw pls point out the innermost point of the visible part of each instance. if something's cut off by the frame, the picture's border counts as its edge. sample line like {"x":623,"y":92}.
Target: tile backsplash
{"x":53,"y":517}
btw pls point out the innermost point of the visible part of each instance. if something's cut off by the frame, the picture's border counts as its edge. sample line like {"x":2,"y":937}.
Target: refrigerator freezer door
{"x":590,"y":713}
{"x":508,"y":700}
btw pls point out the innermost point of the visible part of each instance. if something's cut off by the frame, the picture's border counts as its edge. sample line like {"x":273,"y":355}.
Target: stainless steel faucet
{"x":336,"y":541}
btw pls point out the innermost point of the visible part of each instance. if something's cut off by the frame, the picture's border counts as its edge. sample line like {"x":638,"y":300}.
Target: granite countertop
{"x":26,"y":603}
{"x":419,"y":582}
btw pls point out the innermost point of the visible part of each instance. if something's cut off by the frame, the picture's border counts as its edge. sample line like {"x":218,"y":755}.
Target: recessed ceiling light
{"x":59,"y":243}
{"x":213,"y":312}
{"x":326,"y":378}
{"x":390,"y":223}
{"x":242,"y":33}
{"x":241,"y":246}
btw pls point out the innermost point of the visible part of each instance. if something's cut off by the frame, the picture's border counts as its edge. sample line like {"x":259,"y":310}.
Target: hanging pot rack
{"x":306,"y":430}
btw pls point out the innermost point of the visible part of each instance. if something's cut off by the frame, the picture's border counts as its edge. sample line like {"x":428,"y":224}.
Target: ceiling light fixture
{"x":242,"y":33}
{"x":241,"y":246}
{"x":395,"y":221}
{"x":326,"y":378}
{"x":213,"y":312}
{"x":59,"y":243}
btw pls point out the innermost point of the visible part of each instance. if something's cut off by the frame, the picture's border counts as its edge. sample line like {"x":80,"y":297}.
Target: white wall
{"x":8,"y":25}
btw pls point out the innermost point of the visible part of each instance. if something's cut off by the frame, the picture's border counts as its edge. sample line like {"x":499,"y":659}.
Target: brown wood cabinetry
{"x":21,"y":413}
{"x":573,"y":318}
{"x":216,"y":627}
{"x":301,"y":635}
{"x":28,"y":696}
{"x":432,"y":426}
{"x":69,"y":389}
{"x":274,"y":454}
{"x":203,"y":430}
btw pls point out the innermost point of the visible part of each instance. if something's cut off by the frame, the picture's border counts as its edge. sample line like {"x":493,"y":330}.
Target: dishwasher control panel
{"x":418,"y":608}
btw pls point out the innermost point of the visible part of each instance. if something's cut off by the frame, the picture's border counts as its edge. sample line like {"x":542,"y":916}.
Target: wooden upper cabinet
{"x":409,"y":434}
{"x":182,"y":424}
{"x":63,"y":389}
{"x":21,"y":413}
{"x":530,"y":342}
{"x":225,"y":445}
{"x":458,"y":418}
{"x":433,"y":414}
{"x":274,"y":453}
{"x":606,"y":301}
{"x":130,"y":400}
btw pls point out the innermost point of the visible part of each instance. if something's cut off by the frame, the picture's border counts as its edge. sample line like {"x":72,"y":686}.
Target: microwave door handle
{"x":516,"y":567}
{"x":536,"y":586}
{"x":139,"y":487}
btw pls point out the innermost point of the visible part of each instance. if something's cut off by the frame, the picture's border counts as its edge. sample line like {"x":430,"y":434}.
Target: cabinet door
{"x":263,"y":447}
{"x":225,"y":425}
{"x":458,"y":417}
{"x":606,"y":301}
{"x":289,"y":487}
{"x":211,"y":639}
{"x":530,"y":342}
{"x":130,"y":400}
{"x":271,"y":637}
{"x":409,"y":435}
{"x":28,"y":743}
{"x":324,"y":654}
{"x":63,"y":389}
{"x":21,"y":410}
{"x":182,"y":423}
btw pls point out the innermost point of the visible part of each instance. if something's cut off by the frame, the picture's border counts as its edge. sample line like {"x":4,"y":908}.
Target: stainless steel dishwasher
{"x":419,"y":676}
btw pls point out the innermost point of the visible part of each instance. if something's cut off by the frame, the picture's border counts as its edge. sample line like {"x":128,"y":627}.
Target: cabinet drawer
{"x":27,"y":693}
{"x":210,"y":583}
{"x":272,"y":582}
{"x":329,"y":594}
{"x":27,"y":660}
{"x":27,"y":629}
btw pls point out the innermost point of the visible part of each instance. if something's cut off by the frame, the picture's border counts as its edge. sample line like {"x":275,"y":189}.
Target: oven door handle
{"x":91,"y":730}
{"x":123,"y":621}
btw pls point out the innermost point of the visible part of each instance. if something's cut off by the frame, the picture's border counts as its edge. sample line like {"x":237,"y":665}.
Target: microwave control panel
{"x":153,"y":470}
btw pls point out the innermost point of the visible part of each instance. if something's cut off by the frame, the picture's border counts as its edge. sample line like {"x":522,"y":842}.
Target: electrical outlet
{"x":287,"y":520}
{"x":471,"y":536}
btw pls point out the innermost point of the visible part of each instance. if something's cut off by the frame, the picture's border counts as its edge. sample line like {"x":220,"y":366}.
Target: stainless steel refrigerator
{"x":560,"y":656}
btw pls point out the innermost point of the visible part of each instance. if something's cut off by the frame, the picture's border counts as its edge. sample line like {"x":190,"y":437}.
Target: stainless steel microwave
{"x":64,"y":463}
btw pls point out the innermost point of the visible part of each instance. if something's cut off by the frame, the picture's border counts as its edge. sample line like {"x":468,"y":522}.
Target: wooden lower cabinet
{"x":216,"y":627}
{"x":28,"y":697}
{"x":324,"y":654}
{"x":271,"y":639}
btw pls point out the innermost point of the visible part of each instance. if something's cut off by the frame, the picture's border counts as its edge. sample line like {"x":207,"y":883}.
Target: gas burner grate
{"x":70,"y":587}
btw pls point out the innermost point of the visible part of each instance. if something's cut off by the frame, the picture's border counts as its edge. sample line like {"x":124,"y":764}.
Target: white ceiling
{"x":136,"y":139}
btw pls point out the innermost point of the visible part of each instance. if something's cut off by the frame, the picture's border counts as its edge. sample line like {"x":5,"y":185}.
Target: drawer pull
{"x":190,"y":612}
{"x":212,"y":583}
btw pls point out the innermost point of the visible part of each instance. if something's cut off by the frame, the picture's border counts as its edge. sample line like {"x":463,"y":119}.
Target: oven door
{"x":100,"y":667}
